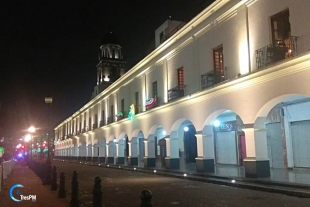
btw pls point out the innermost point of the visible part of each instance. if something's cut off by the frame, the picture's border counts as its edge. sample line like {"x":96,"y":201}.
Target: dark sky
{"x":51,"y":48}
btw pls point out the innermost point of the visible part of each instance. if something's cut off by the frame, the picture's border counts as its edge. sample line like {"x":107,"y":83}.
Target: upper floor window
{"x":218,"y":60}
{"x":180,"y":72}
{"x":137,"y":102}
{"x":281,"y":28}
{"x":154,"y":89}
{"x":122,"y":106}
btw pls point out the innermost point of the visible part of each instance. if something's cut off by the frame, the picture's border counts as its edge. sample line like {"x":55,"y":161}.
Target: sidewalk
{"x":32,"y":186}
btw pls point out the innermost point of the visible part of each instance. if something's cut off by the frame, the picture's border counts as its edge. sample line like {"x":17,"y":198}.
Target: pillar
{"x":102,"y":152}
{"x":133,"y":152}
{"x":172,"y":160}
{"x":150,"y":157}
{"x":256,"y":164}
{"x":205,"y":151}
{"x":111,"y":153}
{"x":120,"y":157}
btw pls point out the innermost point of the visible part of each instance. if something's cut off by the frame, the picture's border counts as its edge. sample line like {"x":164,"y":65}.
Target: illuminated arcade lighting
{"x":164,"y":133}
{"x":186,"y":129}
{"x":108,"y":165}
{"x":134,"y":168}
{"x":233,"y":181}
{"x":119,"y":166}
{"x":217,"y":123}
{"x":185,"y":174}
{"x":99,"y":164}
{"x":114,"y":140}
{"x":155,"y":171}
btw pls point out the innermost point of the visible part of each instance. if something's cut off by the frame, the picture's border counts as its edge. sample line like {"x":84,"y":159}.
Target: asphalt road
{"x":122,"y":188}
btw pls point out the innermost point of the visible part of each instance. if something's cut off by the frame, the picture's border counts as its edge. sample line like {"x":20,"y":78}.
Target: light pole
{"x":31,"y":130}
{"x":48,"y":166}
{"x":48,"y":101}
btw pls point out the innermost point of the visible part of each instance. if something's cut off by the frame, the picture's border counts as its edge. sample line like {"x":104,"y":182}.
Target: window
{"x":180,"y":72}
{"x":137,"y":102}
{"x":161,"y":37}
{"x":123,"y":106}
{"x":154,"y":89}
{"x":218,"y":60}
{"x":111,"y":114}
{"x":102,"y":118}
{"x":89,"y":123}
{"x":96,"y":121}
{"x":281,"y":29}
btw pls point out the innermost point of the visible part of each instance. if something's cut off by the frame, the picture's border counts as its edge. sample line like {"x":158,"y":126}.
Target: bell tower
{"x":111,"y":64}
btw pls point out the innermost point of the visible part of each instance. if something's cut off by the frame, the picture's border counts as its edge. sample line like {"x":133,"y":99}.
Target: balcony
{"x":280,"y":50}
{"x":175,"y":93}
{"x":102,"y":123}
{"x":110,"y":120}
{"x":211,"y":78}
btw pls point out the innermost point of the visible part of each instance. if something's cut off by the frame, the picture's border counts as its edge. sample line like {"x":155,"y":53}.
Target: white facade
{"x":238,"y":30}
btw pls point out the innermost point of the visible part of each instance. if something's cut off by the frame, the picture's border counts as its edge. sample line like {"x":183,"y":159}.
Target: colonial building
{"x":230,"y":87}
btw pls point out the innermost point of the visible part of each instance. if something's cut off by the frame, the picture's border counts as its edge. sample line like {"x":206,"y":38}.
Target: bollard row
{"x":40,"y":169}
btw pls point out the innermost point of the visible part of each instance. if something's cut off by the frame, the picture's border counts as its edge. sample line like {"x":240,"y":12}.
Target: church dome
{"x":110,"y":38}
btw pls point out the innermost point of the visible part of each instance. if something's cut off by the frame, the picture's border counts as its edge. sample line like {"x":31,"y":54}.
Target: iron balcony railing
{"x":280,"y":50}
{"x":102,"y":123}
{"x":110,"y":120}
{"x":175,"y":93}
{"x":212,"y":78}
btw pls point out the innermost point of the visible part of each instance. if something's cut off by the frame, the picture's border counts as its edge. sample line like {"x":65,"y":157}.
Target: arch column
{"x":89,"y":152}
{"x":150,"y":157}
{"x":102,"y":152}
{"x":120,"y":155}
{"x":172,"y":160}
{"x":95,"y":153}
{"x":133,"y":152}
{"x":205,"y":151}
{"x":256,"y":163}
{"x":111,"y":152}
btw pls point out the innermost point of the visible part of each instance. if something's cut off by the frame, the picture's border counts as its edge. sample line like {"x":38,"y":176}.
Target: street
{"x":123,"y":188}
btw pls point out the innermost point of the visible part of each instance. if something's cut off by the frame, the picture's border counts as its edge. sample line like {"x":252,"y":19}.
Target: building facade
{"x":228,"y":88}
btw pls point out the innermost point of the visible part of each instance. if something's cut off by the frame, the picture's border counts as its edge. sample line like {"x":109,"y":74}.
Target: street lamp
{"x":48,"y":175}
{"x":31,"y":130}
{"x":48,"y":101}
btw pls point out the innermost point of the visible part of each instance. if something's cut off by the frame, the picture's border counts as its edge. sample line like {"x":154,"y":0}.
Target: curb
{"x":302,"y":191}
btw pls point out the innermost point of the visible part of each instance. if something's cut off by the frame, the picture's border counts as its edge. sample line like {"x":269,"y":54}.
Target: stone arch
{"x":136,"y":148}
{"x":152,"y":149}
{"x":279,"y":126}
{"x":223,"y":140}
{"x":181,"y":143}
{"x":122,"y":149}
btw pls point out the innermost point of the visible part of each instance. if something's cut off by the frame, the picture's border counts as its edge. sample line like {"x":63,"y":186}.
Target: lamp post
{"x":48,"y":166}
{"x":31,"y":130}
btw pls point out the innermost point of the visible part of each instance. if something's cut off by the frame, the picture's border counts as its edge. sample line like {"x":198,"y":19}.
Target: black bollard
{"x":41,"y":173}
{"x":62,"y":190}
{"x":146,"y":198}
{"x":47,"y":180}
{"x":74,"y":202}
{"x":54,"y":185}
{"x":97,"y":193}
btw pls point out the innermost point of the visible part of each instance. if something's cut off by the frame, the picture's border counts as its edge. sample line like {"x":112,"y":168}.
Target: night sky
{"x":50,"y":48}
